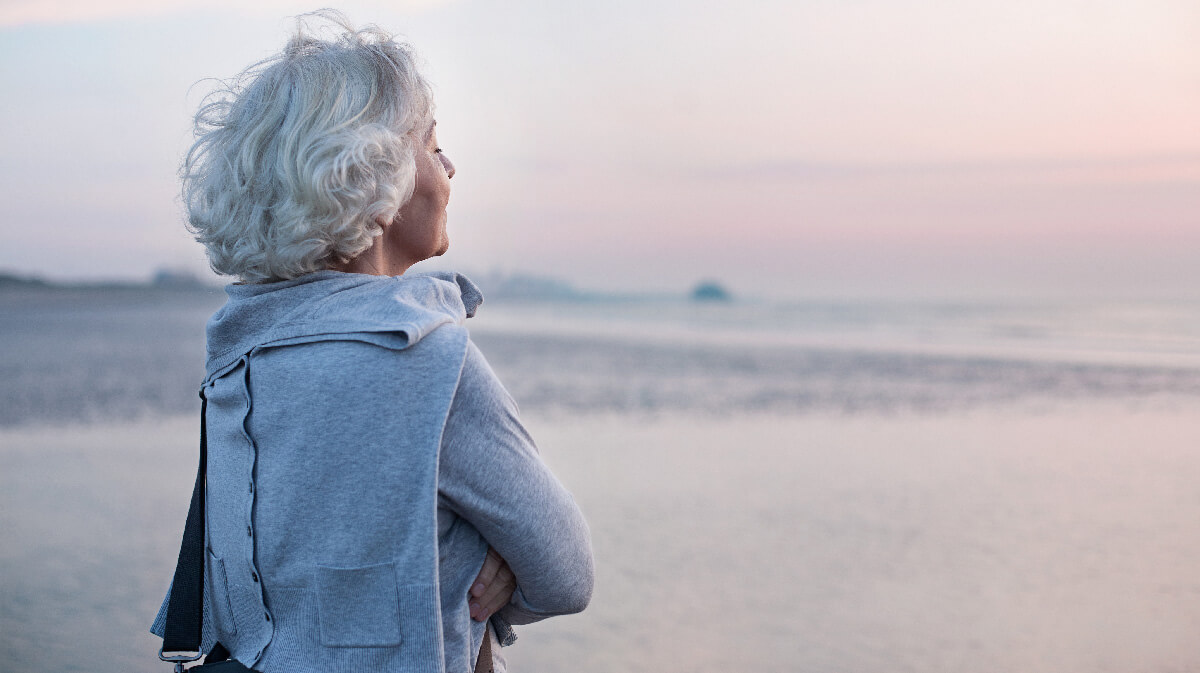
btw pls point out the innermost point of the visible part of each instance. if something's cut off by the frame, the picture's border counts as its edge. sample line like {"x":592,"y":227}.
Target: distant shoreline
{"x":161,"y":280}
{"x":16,"y":282}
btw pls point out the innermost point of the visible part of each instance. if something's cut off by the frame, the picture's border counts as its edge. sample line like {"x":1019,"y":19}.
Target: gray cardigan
{"x":362,"y":456}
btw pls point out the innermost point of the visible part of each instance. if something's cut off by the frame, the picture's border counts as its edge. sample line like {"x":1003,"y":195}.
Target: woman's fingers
{"x":490,"y":604}
{"x":491,"y":565}
{"x":497,"y":592}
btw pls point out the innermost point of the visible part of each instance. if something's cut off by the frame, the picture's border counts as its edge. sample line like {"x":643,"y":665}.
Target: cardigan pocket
{"x":219,"y":596}
{"x":359,"y":607}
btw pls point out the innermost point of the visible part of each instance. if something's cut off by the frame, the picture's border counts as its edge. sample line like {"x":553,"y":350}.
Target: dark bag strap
{"x":185,"y":612}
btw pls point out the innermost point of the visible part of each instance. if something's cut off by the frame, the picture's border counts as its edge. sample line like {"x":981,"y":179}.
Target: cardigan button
{"x":254,"y":576}
{"x":249,"y":532}
{"x":267,"y":615}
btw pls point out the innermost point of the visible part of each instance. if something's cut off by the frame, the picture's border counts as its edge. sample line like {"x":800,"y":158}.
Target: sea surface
{"x":82,"y":356}
{"x":802,"y":486}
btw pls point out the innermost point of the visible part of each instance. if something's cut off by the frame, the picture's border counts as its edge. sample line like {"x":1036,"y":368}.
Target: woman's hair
{"x":298,"y":155}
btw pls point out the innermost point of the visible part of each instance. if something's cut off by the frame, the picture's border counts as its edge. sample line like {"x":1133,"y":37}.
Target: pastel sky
{"x":790,"y":148}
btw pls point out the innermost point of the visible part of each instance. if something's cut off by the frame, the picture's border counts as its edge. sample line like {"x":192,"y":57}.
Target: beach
{"x":984,"y":542}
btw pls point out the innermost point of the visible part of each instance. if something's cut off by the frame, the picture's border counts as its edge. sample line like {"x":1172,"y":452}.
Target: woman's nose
{"x":447,"y":164}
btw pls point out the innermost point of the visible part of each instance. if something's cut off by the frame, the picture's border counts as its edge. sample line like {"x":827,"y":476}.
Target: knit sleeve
{"x":490,"y":474}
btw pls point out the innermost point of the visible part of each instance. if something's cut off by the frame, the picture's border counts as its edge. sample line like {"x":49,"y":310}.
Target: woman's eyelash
{"x":437,"y":150}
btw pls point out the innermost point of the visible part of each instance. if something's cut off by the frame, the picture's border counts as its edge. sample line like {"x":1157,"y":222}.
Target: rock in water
{"x":710,"y":290}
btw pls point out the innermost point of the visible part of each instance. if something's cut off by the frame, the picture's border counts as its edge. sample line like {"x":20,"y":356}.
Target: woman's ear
{"x":383,"y":220}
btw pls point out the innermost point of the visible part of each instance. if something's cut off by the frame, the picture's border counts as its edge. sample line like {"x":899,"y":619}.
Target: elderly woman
{"x":373,"y":502}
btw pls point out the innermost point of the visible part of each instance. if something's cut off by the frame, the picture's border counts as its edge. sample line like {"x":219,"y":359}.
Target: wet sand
{"x":1053,"y":539}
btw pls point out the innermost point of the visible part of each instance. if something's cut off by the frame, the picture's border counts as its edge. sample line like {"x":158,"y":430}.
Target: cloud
{"x":27,"y":12}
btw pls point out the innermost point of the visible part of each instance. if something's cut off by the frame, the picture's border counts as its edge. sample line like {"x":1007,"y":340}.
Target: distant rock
{"x":710,"y":290}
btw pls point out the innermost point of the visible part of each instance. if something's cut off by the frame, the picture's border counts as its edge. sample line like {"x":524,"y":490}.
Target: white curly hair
{"x":297,"y":156}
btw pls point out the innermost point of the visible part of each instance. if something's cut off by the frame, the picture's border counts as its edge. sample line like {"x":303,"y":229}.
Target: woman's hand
{"x":492,"y":588}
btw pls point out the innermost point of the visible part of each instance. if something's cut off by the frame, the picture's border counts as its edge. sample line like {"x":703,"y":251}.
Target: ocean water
{"x":848,"y":486}
{"x":67,"y":355}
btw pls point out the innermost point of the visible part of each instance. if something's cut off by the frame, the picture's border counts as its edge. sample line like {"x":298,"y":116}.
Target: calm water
{"x":808,"y":487}
{"x":69,"y":356}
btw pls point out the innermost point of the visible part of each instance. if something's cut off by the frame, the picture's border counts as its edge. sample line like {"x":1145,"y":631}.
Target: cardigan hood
{"x":394,"y":311}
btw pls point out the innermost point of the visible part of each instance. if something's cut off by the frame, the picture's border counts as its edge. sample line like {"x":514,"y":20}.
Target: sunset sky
{"x":792,"y":148}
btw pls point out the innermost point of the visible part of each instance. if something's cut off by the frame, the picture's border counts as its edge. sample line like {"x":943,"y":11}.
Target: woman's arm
{"x":491,"y":475}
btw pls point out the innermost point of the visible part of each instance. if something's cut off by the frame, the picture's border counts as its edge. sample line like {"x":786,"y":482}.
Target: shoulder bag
{"x":185,"y":612}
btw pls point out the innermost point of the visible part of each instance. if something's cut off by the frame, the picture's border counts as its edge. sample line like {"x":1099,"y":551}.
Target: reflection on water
{"x":987,"y":541}
{"x":977,"y":542}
